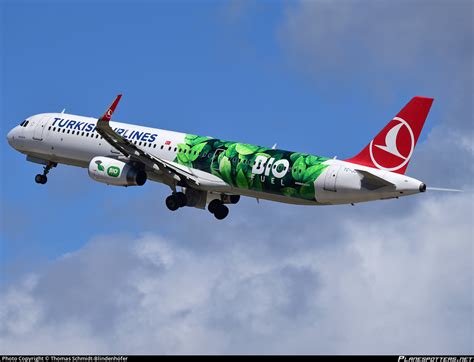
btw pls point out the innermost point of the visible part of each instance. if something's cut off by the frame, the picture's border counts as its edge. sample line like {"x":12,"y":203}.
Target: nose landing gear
{"x":42,"y":178}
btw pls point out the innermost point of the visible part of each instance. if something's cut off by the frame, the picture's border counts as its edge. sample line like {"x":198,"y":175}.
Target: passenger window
{"x":161,"y":147}
{"x":154,"y":146}
{"x":82,"y":134}
{"x":68,"y":131}
{"x":175,"y":149}
{"x":169,"y":148}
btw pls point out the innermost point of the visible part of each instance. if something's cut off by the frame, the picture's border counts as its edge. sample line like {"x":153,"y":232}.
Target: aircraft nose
{"x":10,"y":136}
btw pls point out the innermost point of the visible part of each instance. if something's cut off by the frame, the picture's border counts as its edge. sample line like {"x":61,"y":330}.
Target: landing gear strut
{"x":218,"y":208}
{"x":42,"y":178}
{"x":176,"y":200}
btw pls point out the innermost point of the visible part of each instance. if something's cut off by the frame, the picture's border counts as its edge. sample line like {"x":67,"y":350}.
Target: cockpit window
{"x":24,"y":123}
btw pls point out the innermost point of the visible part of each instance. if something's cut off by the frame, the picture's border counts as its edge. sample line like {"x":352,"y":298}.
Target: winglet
{"x":108,"y":114}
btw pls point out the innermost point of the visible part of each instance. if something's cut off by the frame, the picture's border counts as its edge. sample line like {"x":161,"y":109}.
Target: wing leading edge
{"x":167,"y":169}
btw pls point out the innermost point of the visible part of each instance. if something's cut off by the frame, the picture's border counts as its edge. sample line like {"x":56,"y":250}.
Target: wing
{"x":172,"y":172}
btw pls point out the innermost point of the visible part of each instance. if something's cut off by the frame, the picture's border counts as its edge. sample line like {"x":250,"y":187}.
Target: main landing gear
{"x":195,"y":198}
{"x":41,"y":178}
{"x":176,"y":200}
{"x":218,"y":208}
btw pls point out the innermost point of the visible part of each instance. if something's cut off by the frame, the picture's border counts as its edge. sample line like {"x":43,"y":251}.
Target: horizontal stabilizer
{"x":373,"y":182}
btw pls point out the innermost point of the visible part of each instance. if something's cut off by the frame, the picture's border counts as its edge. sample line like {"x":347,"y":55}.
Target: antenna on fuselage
{"x":274,"y":146}
{"x":64,"y":110}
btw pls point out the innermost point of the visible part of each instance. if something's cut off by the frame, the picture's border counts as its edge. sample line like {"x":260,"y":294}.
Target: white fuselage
{"x":76,"y":143}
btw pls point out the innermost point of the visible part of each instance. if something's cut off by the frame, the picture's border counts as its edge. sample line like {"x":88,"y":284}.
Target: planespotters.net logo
{"x":392,"y":150}
{"x":435,"y":359}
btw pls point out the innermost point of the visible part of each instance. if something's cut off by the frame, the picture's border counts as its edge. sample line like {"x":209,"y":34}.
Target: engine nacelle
{"x":115,"y":172}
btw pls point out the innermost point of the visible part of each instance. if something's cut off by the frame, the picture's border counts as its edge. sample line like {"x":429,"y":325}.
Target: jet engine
{"x":115,"y":172}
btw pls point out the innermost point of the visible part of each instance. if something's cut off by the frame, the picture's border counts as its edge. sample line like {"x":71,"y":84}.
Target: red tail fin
{"x":393,"y":147}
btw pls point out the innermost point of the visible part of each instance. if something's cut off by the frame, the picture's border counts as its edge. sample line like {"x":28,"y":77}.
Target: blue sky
{"x":312,"y":76}
{"x":192,"y":66}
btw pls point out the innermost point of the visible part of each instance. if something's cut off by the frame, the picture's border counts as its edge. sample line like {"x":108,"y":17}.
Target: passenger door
{"x":40,"y":125}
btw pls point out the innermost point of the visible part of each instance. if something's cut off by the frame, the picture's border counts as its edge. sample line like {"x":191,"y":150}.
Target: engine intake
{"x":115,"y":172}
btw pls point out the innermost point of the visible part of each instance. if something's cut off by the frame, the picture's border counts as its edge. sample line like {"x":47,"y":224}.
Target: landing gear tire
{"x":214,"y":205}
{"x":172,"y":203}
{"x":41,"y":179}
{"x":181,"y":198}
{"x":221,"y":212}
{"x":217,"y":208}
{"x":234,"y":199}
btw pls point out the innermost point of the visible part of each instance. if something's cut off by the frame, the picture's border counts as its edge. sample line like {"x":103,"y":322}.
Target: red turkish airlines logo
{"x":392,"y":150}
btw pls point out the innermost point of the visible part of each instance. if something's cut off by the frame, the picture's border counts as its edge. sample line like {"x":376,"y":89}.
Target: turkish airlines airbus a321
{"x":208,"y":171}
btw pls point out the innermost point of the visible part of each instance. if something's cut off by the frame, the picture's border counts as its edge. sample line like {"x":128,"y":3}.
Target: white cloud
{"x":425,"y":47}
{"x":391,"y":277}
{"x":388,"y":285}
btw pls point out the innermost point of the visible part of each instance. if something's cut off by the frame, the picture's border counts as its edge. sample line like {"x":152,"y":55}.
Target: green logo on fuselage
{"x":113,"y":171}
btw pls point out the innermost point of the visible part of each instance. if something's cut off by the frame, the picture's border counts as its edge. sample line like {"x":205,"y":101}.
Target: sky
{"x":89,"y":268}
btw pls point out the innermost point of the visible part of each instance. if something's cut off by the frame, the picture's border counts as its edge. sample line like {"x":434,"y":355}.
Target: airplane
{"x":205,"y":171}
